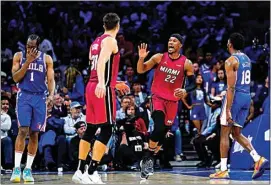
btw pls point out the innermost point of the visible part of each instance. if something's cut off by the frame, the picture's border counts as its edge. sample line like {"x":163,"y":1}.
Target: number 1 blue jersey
{"x":35,"y":77}
{"x":243,"y":73}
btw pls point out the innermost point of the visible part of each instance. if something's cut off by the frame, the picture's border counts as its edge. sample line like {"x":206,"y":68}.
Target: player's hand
{"x":100,"y":90}
{"x":32,"y":55}
{"x":180,"y":93}
{"x":122,"y":88}
{"x":142,"y":50}
{"x":229,"y":117}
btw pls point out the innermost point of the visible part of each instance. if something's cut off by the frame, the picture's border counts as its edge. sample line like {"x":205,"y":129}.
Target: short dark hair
{"x":110,"y":21}
{"x":237,"y":40}
{"x":34,"y":37}
{"x":5,"y":98}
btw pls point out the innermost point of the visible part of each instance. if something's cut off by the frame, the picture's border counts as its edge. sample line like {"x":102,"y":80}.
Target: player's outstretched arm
{"x":50,"y":75}
{"x":231,"y":73}
{"x":143,"y":53}
{"x":17,"y":72}
{"x":109,"y":46}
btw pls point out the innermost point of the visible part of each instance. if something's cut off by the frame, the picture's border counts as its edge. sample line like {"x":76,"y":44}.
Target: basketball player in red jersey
{"x":170,"y":72}
{"x":100,"y":99}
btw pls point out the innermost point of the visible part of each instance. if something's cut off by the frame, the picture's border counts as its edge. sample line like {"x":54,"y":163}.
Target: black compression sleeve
{"x":191,"y":83}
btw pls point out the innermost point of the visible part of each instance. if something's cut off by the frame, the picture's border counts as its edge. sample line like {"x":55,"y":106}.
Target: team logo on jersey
{"x":95,"y":46}
{"x":179,"y":65}
{"x":238,"y":147}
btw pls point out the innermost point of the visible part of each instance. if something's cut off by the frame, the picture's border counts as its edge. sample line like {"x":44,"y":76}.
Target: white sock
{"x":29,"y":162}
{"x":255,"y":155}
{"x":18,"y":158}
{"x":223,"y":166}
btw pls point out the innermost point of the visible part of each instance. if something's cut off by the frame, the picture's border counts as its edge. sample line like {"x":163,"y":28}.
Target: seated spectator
{"x":207,"y":138}
{"x":75,"y":116}
{"x":59,"y":109}
{"x":138,"y":94}
{"x":52,"y":144}
{"x":6,"y":142}
{"x":129,"y":76}
{"x":80,"y":128}
{"x":125,"y":101}
{"x":261,"y":95}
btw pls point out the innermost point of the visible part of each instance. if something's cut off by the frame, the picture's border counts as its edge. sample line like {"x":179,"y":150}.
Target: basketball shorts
{"x":100,"y":110}
{"x":168,"y":107}
{"x":239,"y":110}
{"x":31,"y":110}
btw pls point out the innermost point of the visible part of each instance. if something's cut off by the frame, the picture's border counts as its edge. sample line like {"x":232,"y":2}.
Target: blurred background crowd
{"x":68,"y":28}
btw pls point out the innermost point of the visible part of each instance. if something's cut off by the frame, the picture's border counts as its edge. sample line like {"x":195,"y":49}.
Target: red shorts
{"x":168,"y":107}
{"x":100,"y":110}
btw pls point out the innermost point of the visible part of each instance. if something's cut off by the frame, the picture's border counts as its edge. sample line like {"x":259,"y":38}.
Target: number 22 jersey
{"x":168,"y":76}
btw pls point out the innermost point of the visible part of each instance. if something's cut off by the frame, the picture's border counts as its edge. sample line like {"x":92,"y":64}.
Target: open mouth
{"x":170,"y":47}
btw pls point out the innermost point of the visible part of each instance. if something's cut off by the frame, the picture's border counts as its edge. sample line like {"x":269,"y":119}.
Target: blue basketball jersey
{"x":35,"y":79}
{"x":243,"y":73}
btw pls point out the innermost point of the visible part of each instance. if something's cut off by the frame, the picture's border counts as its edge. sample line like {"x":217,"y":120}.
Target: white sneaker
{"x":96,"y":178}
{"x":86,"y":179}
{"x":77,"y":177}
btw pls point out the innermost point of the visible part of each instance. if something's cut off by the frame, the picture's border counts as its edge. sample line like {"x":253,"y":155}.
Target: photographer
{"x":132,"y":141}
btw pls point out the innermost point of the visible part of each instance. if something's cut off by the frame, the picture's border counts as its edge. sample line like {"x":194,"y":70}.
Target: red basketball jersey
{"x":111,"y":66}
{"x":168,"y":76}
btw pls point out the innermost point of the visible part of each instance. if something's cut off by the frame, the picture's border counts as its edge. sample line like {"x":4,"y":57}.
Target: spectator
{"x":138,"y":94}
{"x":52,"y":143}
{"x":261,"y":95}
{"x":125,"y":102}
{"x":220,"y":84}
{"x":129,"y":76}
{"x":75,"y":116}
{"x":80,"y":128}
{"x":6,"y":141}
{"x":59,"y":109}
{"x":59,"y":81}
{"x":126,"y":48}
{"x":196,"y":68}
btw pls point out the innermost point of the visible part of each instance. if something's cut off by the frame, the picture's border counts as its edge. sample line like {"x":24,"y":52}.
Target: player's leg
{"x":104,"y":118}
{"x":99,"y":147}
{"x":224,"y":146}
{"x":84,"y":145}
{"x":260,"y":162}
{"x":197,"y":124}
{"x":24,"y":114}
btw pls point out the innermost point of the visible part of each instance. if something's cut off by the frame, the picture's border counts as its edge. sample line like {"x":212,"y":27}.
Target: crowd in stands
{"x":66,"y":35}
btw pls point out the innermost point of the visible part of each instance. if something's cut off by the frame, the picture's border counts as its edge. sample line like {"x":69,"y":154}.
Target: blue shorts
{"x":239,"y":110}
{"x":198,"y":113}
{"x":31,"y":110}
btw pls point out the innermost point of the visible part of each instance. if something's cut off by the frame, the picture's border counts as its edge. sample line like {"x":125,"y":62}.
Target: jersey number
{"x":170,"y":79}
{"x":32,"y":76}
{"x":94,"y":61}
{"x":245,"y":77}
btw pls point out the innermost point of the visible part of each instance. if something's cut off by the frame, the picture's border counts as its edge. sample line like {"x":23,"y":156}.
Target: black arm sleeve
{"x":191,"y":83}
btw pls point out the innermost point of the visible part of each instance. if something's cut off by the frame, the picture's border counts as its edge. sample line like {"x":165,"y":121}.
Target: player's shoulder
{"x":231,"y":60}
{"x":18,"y":54}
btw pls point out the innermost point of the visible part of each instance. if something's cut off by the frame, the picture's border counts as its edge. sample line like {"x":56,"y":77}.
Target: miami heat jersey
{"x":35,"y":79}
{"x":168,"y":76}
{"x":111,"y":66}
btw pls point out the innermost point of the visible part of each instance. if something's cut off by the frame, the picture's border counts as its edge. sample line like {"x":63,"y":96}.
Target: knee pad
{"x":106,"y":133}
{"x":159,"y":126}
{"x":89,"y":133}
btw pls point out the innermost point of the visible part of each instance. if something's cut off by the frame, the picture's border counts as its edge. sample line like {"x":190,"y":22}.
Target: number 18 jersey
{"x":168,"y":76}
{"x":111,"y":66}
{"x":243,"y":73}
